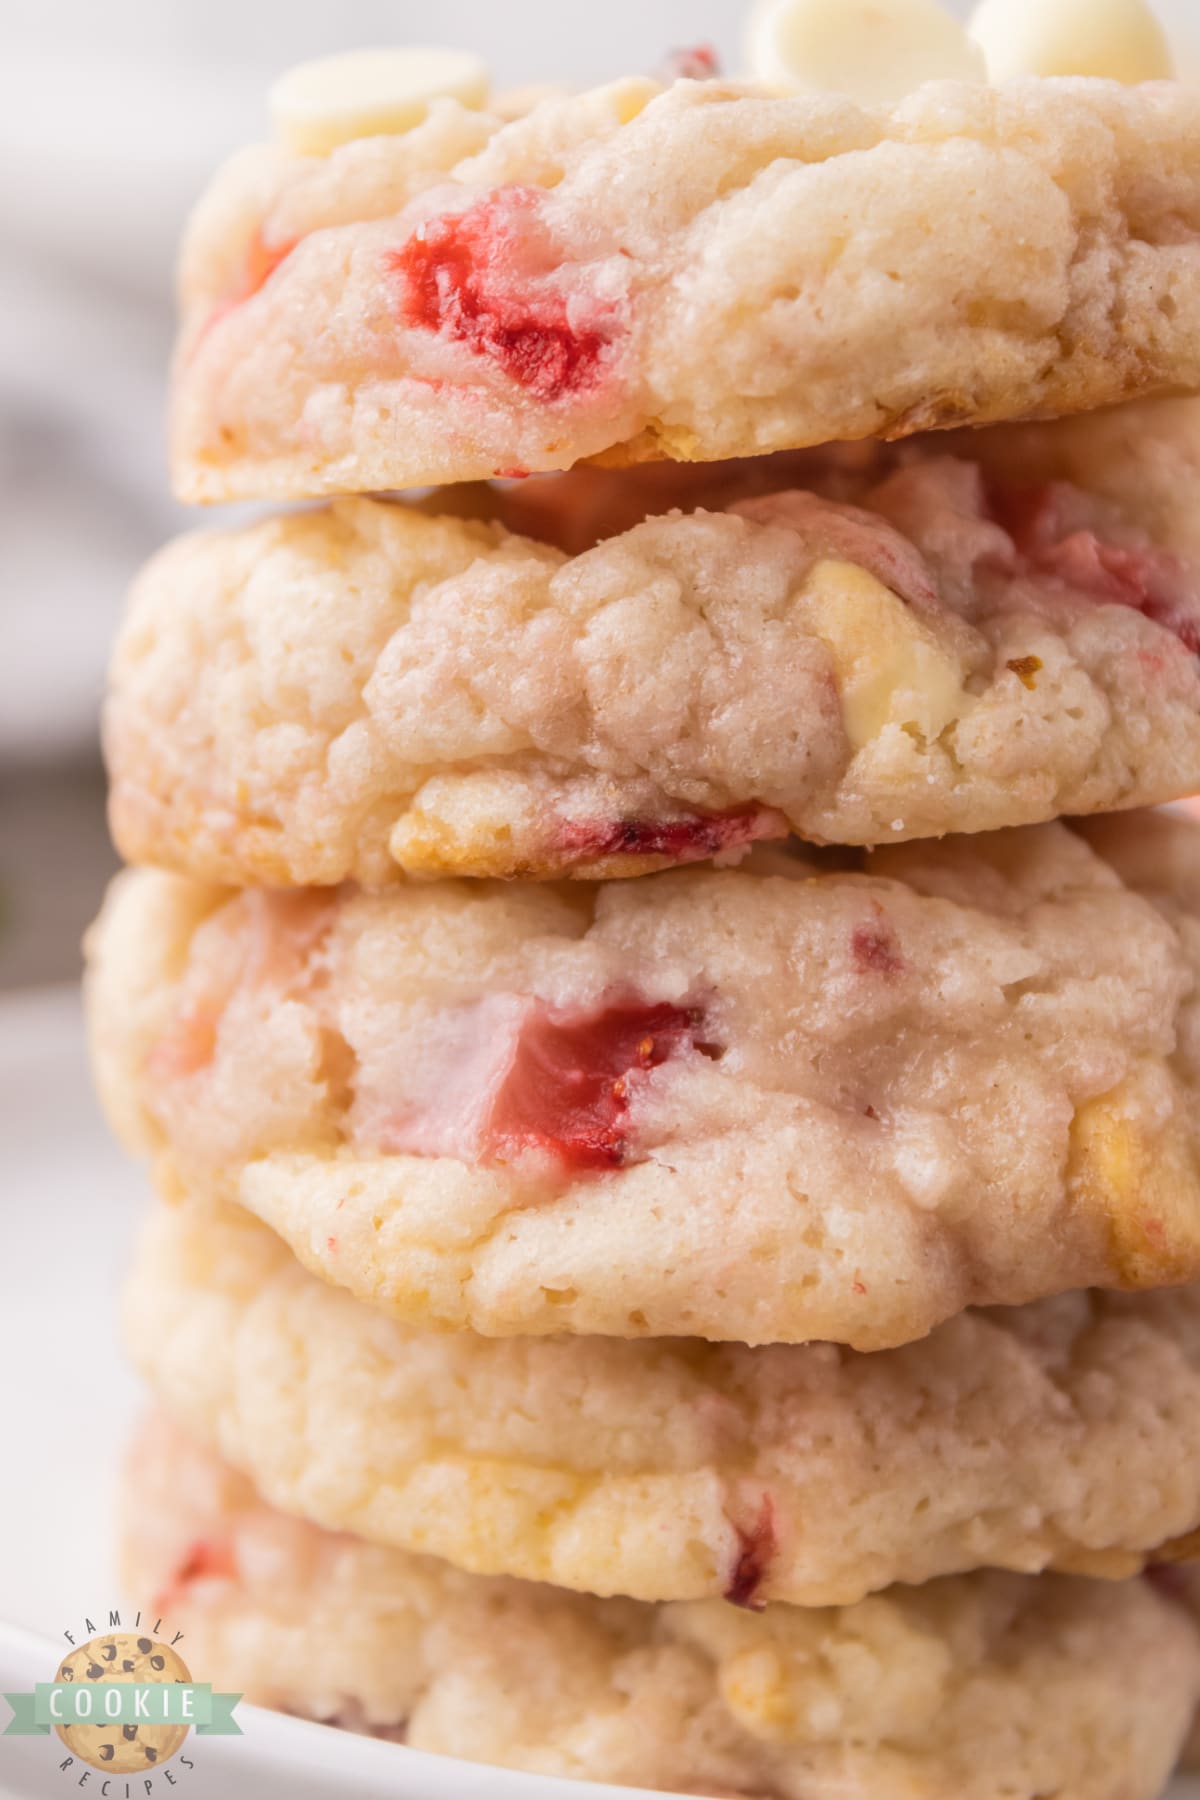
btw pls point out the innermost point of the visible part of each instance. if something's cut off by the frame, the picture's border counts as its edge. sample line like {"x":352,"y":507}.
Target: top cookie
{"x":696,"y":272}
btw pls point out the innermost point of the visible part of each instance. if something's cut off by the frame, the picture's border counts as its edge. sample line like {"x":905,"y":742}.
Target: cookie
{"x":1180,"y":1583}
{"x":121,"y":1656}
{"x":837,"y":1096}
{"x":674,"y":1469}
{"x":985,"y":1687}
{"x":642,"y":272}
{"x":951,"y":654}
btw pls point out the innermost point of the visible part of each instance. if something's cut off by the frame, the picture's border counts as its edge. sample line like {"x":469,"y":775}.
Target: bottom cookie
{"x":1181,"y":1582}
{"x":979,"y":1687}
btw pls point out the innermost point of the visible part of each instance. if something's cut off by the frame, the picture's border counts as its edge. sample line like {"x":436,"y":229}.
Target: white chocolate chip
{"x":927,"y":1164}
{"x":874,"y":50}
{"x":369,"y":93}
{"x":1120,"y":39}
{"x":890,"y":669}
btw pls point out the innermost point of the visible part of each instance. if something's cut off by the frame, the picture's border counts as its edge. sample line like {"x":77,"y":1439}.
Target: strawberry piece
{"x":190,"y":1042}
{"x":686,"y":839}
{"x":1170,"y":1580}
{"x":261,"y":261}
{"x":569,"y":1086}
{"x":1150,"y":581}
{"x":206,"y":1557}
{"x":509,"y":1075}
{"x":875,"y":948}
{"x":1046,"y":525}
{"x":756,"y":1551}
{"x":698,"y":62}
{"x":258,"y":265}
{"x":1033,"y":514}
{"x":279,"y":933}
{"x":485,"y":278}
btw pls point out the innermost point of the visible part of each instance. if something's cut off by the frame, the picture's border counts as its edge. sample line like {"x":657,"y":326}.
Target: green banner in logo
{"x":122,"y":1703}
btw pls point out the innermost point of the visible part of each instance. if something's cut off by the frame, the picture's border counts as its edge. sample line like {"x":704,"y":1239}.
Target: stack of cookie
{"x":724,"y":1330}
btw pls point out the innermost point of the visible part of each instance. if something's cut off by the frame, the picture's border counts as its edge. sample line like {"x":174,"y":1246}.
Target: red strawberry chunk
{"x":1170,"y":1580}
{"x":1033,"y":515}
{"x":206,"y":1557}
{"x":756,"y":1546}
{"x":280,"y":932}
{"x":1148,"y":580}
{"x":190,"y":1042}
{"x":258,"y":265}
{"x":874,"y":948}
{"x":262,"y":260}
{"x":570,"y":1085}
{"x":686,"y":839}
{"x":486,"y":278}
{"x":501,"y":1078}
{"x":1047,"y":525}
{"x":698,"y":62}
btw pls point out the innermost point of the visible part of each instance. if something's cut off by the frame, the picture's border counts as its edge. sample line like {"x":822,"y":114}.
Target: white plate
{"x":70,"y":1203}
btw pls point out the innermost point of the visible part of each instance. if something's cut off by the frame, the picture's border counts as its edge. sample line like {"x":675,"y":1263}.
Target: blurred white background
{"x":111,"y":117}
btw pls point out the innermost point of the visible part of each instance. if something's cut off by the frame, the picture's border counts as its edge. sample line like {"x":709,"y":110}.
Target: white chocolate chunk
{"x":369,"y":93}
{"x":1120,"y":39}
{"x":874,"y":50}
{"x":890,"y":670}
